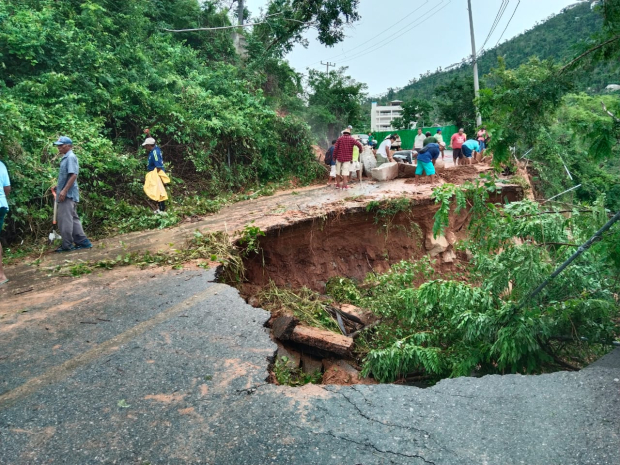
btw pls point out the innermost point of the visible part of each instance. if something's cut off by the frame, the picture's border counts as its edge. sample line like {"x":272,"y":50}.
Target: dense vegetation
{"x":101,"y":71}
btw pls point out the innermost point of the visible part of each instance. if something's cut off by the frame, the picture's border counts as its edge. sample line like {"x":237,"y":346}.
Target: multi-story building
{"x":381,"y":117}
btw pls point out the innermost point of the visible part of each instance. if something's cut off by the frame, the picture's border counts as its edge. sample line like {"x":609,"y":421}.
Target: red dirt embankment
{"x":354,"y":243}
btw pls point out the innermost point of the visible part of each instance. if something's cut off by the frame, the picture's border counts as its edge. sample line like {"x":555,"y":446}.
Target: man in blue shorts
{"x":5,"y":188}
{"x":469,"y":149}
{"x":425,"y":161}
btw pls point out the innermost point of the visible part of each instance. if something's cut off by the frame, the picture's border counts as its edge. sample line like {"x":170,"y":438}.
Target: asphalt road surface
{"x":169,"y":367}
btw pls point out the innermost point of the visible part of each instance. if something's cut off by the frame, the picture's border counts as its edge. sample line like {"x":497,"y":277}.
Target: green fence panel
{"x":407,"y":136}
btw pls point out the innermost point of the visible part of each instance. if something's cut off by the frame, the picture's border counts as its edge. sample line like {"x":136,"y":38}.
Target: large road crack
{"x":381,"y":451}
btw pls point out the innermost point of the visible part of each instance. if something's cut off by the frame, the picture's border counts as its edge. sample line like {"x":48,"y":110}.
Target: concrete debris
{"x":363,"y":316}
{"x":436,"y":245}
{"x":322,"y":340}
{"x":293,"y":358}
{"x":311,"y":365}
{"x":440,"y":166}
{"x":406,"y":171}
{"x":340,"y":372}
{"x":283,"y":327}
{"x":385,"y":172}
{"x":448,"y":256}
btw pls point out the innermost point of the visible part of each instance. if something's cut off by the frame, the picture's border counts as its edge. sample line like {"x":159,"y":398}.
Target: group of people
{"x":67,"y":196}
{"x":344,"y":154}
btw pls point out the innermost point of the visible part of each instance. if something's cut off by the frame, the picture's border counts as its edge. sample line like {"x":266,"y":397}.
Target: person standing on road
{"x":384,"y":153}
{"x":68,"y":197}
{"x":343,"y":154}
{"x":331,"y":162}
{"x":371,"y":141}
{"x":470,"y":149}
{"x":440,"y":141}
{"x":5,"y":189}
{"x":456,"y":142}
{"x":419,"y":141}
{"x":156,"y":161}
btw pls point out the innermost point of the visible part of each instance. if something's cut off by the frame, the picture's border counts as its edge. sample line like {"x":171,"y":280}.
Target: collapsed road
{"x":151,"y":366}
{"x":154,"y":366}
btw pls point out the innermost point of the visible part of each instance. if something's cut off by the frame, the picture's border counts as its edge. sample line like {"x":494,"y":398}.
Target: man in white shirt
{"x":384,"y":154}
{"x":419,"y":140}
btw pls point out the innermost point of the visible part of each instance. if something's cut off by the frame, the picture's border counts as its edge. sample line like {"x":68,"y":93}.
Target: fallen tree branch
{"x":586,"y":53}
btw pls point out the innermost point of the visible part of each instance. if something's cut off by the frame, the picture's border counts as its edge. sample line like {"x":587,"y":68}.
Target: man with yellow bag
{"x":156,"y":176}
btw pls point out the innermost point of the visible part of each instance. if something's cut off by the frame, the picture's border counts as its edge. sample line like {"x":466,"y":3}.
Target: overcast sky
{"x":397,"y":40}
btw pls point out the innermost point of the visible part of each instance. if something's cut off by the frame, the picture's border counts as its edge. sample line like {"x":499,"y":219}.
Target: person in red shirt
{"x":457,"y":143}
{"x":343,"y":154}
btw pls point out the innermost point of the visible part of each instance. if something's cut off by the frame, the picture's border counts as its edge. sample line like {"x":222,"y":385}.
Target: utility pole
{"x":328,"y":64}
{"x":240,"y":11}
{"x":475,"y":60}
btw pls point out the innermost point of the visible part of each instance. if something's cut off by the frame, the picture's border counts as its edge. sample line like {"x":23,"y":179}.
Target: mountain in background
{"x":558,"y":38}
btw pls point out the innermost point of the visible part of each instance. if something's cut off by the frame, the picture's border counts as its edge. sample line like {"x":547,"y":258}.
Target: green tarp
{"x":407,"y":136}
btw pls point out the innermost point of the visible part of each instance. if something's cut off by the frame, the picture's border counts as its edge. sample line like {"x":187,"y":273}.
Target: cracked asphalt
{"x":169,"y":367}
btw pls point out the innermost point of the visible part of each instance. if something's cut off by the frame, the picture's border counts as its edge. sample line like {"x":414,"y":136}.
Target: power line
{"x":381,"y":33}
{"x":509,"y":21}
{"x":390,"y":39}
{"x":498,"y":18}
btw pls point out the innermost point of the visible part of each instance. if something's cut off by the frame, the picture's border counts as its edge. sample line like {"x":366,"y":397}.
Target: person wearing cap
{"x":68,"y":196}
{"x":156,"y":161}
{"x":343,"y":154}
{"x":5,"y":189}
{"x":439,"y":139}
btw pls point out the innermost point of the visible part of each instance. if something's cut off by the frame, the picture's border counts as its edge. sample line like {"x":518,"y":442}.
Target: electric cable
{"x":390,"y":39}
{"x":509,"y":21}
{"x":498,"y":18}
{"x":373,"y":38}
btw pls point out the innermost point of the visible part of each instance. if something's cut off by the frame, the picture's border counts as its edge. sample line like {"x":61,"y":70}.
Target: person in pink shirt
{"x":456,"y":142}
{"x":482,"y":138}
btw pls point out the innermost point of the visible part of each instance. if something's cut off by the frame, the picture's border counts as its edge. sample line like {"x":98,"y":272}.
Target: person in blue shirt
{"x":425,"y":161}
{"x":5,"y":189}
{"x":469,"y":149}
{"x":68,"y":198}
{"x":156,"y":161}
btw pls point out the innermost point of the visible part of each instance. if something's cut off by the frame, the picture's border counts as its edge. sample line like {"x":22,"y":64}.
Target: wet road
{"x":168,"y":367}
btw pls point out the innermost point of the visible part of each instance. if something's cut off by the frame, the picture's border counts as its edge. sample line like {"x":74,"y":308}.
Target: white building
{"x":381,"y":117}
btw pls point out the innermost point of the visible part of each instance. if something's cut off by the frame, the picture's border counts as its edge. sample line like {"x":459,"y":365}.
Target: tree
{"x":455,"y":102}
{"x":334,"y":101}
{"x":414,"y":111}
{"x":287,"y":20}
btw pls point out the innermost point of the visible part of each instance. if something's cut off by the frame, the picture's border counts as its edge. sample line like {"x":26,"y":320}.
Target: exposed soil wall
{"x":354,"y":243}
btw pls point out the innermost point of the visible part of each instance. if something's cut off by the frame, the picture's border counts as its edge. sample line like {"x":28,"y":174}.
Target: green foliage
{"x":455,"y":102}
{"x":250,"y":239}
{"x":442,"y":327}
{"x":294,"y":377}
{"x":100,"y":72}
{"x":304,"y":303}
{"x":334,"y":101}
{"x":414,"y":111}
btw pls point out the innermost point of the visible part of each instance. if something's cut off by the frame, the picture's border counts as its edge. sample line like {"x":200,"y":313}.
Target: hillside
{"x":557,"y":38}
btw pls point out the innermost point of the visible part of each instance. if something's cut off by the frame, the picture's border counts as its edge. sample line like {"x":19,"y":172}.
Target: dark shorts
{"x":467,"y":151}
{"x":3,"y":212}
{"x":457,"y":153}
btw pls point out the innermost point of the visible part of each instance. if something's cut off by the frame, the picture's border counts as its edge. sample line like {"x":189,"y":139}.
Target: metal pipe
{"x":562,"y":193}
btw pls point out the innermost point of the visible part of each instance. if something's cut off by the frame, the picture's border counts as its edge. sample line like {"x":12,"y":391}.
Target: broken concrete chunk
{"x":293,"y":359}
{"x":340,"y":372}
{"x":440,"y":165}
{"x":364,"y":317}
{"x":406,"y":171}
{"x":451,"y":237}
{"x":311,"y":365}
{"x":323,"y":340}
{"x":283,"y":326}
{"x":437,"y":245}
{"x":385,"y":172}
{"x":449,"y":256}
